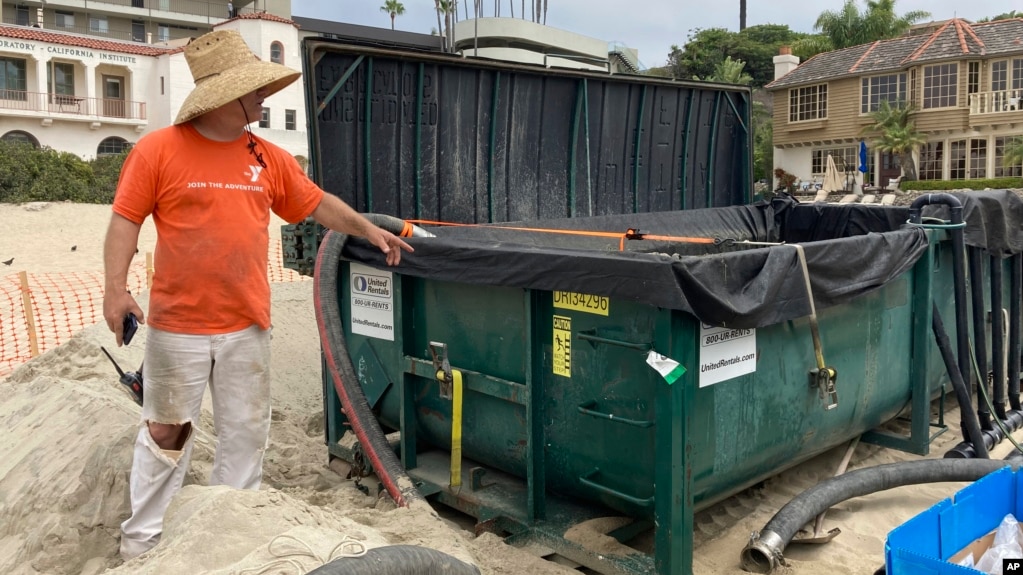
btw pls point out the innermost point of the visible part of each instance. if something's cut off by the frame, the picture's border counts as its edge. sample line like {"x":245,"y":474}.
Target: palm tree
{"x":849,"y":27}
{"x":898,"y":134}
{"x":742,"y":15}
{"x":880,"y":21}
{"x":440,"y":27}
{"x":448,"y":9}
{"x":729,"y":71}
{"x":1013,"y":152}
{"x":394,"y":8}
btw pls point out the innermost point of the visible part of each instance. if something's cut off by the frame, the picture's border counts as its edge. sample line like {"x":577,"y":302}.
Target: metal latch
{"x":824,"y":381}
{"x":450,"y":384}
{"x":442,"y":368}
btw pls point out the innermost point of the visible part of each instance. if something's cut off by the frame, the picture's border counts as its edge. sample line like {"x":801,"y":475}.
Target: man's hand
{"x":115,"y":307}
{"x":388,"y":243}
{"x":333,"y":213}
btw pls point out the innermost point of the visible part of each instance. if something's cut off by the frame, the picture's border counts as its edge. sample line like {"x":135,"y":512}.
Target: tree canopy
{"x":1006,"y":16}
{"x":705,"y":51}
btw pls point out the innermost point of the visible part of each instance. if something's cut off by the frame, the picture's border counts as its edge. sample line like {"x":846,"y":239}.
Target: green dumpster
{"x":641,"y":365}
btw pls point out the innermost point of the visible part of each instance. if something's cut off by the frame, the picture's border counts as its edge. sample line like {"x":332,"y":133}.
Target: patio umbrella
{"x":862,"y":167}
{"x":832,"y":178}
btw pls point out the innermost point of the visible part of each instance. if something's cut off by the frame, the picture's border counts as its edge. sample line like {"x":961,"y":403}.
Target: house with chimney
{"x":965,"y":81}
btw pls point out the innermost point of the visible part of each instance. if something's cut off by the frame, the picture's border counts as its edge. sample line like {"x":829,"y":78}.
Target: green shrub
{"x":992,"y":183}
{"x":28,"y":174}
{"x":106,"y":171}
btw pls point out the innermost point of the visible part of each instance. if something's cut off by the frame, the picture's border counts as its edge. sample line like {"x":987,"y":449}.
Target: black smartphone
{"x":131,"y":325}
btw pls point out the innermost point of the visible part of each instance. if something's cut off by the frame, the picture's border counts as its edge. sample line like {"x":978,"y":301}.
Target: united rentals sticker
{"x":372,"y":302}
{"x":726,"y":353}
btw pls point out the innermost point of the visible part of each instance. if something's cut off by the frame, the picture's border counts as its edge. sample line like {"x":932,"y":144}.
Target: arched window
{"x":19,"y":136}
{"x":276,"y":52}
{"x":112,"y":145}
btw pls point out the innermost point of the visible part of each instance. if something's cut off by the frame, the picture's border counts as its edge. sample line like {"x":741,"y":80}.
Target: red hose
{"x":365,"y":425}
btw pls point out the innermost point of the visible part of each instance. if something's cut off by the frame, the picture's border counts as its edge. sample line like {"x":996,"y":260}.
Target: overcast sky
{"x":651,"y":26}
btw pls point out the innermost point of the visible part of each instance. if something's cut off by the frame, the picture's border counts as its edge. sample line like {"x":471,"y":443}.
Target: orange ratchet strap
{"x":630,"y":234}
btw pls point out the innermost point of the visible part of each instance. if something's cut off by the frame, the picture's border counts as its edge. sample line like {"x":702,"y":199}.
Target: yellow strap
{"x":456,"y":429}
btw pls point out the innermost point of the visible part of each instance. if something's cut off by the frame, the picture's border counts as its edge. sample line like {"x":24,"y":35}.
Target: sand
{"x":69,"y":429}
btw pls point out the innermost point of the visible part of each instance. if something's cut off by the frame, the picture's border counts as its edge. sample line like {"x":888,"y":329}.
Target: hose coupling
{"x":763,"y":552}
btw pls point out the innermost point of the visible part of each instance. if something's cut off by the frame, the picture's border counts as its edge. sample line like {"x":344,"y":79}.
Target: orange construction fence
{"x":39,"y":312}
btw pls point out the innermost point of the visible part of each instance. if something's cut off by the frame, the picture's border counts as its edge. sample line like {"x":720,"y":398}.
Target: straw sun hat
{"x":224,"y":69}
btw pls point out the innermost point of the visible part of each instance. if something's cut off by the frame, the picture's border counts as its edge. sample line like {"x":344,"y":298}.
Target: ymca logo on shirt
{"x":254,"y":173}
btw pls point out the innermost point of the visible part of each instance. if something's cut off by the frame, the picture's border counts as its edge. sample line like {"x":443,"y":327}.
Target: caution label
{"x":562,"y":345}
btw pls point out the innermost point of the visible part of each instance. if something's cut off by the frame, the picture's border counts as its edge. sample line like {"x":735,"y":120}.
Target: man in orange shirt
{"x":209,"y":185}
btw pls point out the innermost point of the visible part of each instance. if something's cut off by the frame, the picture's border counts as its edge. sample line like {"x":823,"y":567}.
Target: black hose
{"x":328,"y":318}
{"x":997,"y":338}
{"x":764,"y":551}
{"x":979,"y":333}
{"x":1015,"y":296}
{"x":971,"y":425}
{"x":398,"y":560}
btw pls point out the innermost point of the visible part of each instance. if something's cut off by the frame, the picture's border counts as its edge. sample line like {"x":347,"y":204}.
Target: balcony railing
{"x":995,"y":102}
{"x":203,"y":8}
{"x":73,"y":105}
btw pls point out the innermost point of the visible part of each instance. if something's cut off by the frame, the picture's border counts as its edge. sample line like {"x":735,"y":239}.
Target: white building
{"x":92,"y":77}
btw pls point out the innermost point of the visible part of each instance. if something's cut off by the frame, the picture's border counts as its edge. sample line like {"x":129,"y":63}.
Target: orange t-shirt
{"x":211,"y":204}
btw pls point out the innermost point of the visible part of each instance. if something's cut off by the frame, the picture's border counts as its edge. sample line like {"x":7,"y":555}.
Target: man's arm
{"x":340,"y":217}
{"x":118,"y":249}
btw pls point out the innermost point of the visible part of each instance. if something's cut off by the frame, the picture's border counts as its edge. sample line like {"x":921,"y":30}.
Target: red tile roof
{"x":41,"y":35}
{"x":262,"y":16}
{"x":950,"y":40}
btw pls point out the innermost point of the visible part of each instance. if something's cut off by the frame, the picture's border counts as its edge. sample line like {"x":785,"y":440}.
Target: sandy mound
{"x":64,"y":481}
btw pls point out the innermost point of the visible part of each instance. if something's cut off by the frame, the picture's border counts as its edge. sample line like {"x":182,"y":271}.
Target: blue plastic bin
{"x":924,"y":544}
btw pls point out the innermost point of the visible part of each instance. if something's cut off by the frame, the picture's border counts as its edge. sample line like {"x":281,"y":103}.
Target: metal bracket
{"x":476,"y":475}
{"x":442,"y":368}
{"x":824,"y":381}
{"x":299,"y":243}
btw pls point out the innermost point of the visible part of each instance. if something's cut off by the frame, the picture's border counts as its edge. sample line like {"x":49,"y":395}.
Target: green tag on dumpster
{"x":669,"y":369}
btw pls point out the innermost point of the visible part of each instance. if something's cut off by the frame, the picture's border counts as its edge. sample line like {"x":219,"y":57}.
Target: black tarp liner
{"x":994,"y":220}
{"x":850,"y":251}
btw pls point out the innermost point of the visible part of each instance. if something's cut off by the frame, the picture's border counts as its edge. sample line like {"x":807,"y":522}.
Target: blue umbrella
{"x":863,"y":156}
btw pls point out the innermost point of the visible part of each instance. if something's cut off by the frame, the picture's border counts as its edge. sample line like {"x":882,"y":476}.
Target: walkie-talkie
{"x":131,"y":379}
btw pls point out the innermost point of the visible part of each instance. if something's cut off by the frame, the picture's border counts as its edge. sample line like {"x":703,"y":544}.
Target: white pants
{"x":176,"y":371}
